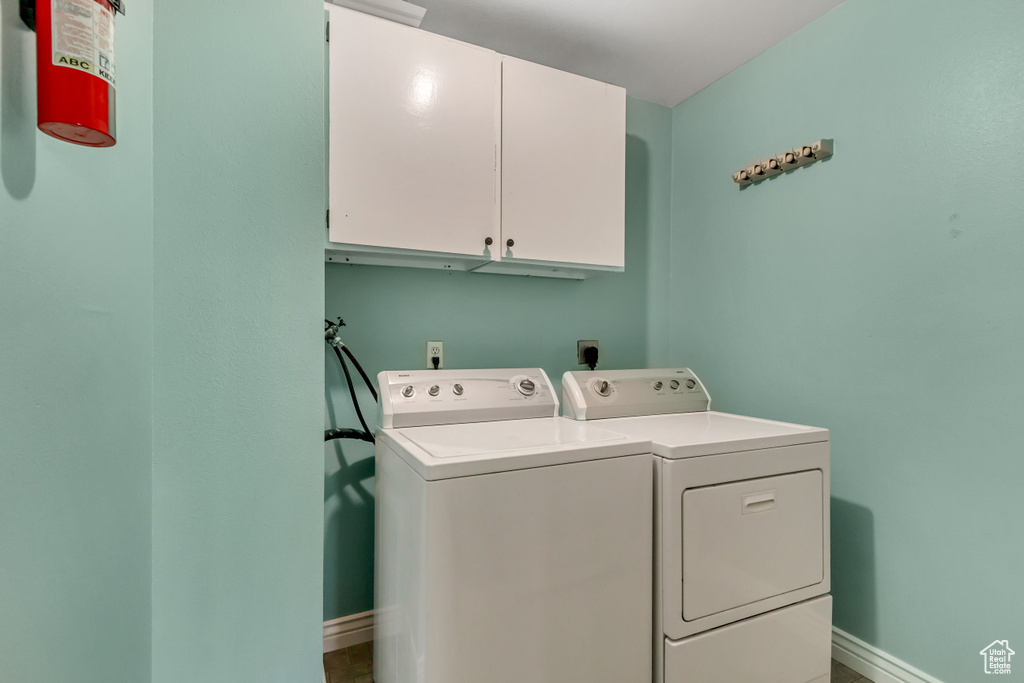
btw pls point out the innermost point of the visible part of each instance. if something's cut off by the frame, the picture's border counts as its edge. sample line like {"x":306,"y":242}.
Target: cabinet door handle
{"x":488,"y":241}
{"x":511,"y":243}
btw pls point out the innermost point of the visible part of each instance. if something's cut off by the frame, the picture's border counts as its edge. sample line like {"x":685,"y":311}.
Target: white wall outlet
{"x":435,"y":349}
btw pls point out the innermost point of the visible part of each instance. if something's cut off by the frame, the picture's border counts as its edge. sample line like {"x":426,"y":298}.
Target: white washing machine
{"x":741,"y":520}
{"x":512,"y":545}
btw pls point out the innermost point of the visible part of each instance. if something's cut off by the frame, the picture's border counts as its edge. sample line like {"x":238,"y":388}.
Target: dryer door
{"x":750,"y":540}
{"x":740,"y":534}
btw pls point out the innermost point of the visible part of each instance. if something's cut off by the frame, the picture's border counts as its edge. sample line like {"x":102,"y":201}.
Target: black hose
{"x":362,"y":373}
{"x":352,"y":390}
{"x":345,"y":433}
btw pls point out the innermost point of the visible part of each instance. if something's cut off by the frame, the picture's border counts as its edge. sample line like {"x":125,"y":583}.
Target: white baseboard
{"x":868,"y":660}
{"x":348,"y":631}
{"x":865,"y":659}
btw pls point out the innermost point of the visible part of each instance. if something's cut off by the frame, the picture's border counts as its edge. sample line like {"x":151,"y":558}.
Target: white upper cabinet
{"x":414,"y":138}
{"x":563,"y":169}
{"x":441,"y":153}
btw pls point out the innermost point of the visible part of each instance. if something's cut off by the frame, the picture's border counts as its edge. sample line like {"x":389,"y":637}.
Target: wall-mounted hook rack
{"x":787,"y":161}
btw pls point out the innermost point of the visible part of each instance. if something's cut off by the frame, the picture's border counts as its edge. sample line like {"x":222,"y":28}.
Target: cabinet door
{"x":563,"y":166}
{"x":414,"y":137}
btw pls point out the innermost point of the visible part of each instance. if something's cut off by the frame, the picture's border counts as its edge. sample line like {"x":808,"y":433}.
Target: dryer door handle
{"x":758,"y":502}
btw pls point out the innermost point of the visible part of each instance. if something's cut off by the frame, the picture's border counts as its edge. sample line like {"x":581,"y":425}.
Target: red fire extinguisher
{"x":76,"y":74}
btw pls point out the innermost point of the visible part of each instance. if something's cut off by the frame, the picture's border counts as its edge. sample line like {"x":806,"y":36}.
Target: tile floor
{"x":350,"y":665}
{"x":844,"y":674}
{"x":355,"y":665}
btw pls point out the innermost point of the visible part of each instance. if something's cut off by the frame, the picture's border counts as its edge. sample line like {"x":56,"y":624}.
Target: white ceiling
{"x":660,"y":50}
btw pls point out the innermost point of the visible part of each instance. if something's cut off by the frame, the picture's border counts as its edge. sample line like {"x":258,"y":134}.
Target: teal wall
{"x":879,"y":294}
{"x":76,"y":310}
{"x":486,"y":321}
{"x":238,"y":357}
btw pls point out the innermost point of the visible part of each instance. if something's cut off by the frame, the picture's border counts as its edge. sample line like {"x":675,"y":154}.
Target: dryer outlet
{"x":581,"y":347}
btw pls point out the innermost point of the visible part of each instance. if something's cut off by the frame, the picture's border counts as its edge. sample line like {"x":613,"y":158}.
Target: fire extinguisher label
{"x":83,"y":37}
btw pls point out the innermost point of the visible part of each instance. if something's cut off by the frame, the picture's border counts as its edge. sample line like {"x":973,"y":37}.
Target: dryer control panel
{"x":629,"y":393}
{"x":419,"y":398}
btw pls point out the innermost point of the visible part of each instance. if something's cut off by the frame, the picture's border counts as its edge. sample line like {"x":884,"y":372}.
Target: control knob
{"x":658,"y":385}
{"x":434,"y":390}
{"x":674,"y":384}
{"x":408,"y":391}
{"x":603,"y":388}
{"x":526,"y":387}
{"x":690,"y":384}
{"x":457,"y":390}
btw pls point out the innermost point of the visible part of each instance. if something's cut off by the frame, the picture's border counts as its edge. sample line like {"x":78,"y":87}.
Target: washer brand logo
{"x":997,"y":657}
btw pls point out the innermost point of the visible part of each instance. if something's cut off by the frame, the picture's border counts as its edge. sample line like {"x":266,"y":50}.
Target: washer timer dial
{"x":526,"y":387}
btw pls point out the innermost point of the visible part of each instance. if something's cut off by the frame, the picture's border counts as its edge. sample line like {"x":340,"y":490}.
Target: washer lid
{"x":459,"y":450}
{"x":686,"y":435}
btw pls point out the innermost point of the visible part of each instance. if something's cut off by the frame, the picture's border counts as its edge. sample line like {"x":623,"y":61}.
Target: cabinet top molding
{"x":395,"y":10}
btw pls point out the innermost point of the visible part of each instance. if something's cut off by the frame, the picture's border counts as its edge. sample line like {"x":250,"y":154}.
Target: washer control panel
{"x":435,"y":397}
{"x":628,"y":393}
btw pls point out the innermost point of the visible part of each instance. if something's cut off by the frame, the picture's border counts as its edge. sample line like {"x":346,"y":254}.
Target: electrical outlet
{"x":582,"y":346}
{"x":435,"y":349}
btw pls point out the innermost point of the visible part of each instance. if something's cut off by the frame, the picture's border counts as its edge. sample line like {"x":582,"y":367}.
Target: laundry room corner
{"x":487,"y":321}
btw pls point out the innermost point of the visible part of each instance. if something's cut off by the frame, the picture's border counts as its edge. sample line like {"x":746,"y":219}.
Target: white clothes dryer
{"x":512,"y":545}
{"x":741,"y":529}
